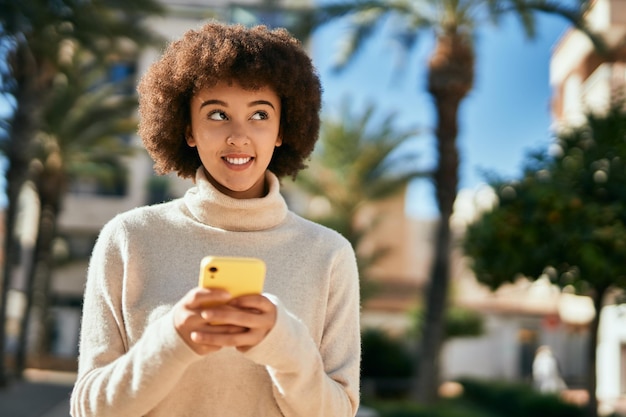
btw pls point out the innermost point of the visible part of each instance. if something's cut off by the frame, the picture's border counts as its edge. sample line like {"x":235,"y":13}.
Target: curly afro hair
{"x":251,"y":57}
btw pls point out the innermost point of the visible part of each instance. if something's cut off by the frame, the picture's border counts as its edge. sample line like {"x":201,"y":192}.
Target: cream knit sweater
{"x":133,"y":362}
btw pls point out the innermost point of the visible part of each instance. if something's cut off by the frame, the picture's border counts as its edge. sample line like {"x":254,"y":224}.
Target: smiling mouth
{"x":238,"y":161}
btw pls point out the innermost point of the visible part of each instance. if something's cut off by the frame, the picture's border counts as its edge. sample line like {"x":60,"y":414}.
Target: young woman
{"x":234,"y":109}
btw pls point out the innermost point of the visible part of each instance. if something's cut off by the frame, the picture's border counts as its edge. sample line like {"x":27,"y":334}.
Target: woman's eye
{"x":260,"y":115}
{"x":218,"y":115}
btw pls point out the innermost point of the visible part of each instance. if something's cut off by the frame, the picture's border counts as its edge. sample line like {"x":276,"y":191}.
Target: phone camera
{"x":213,"y":269}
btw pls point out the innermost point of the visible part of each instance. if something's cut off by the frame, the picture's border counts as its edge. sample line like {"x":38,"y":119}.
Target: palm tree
{"x":34,"y":35}
{"x":450,"y":79}
{"x":356,"y":163}
{"x":83,"y":134}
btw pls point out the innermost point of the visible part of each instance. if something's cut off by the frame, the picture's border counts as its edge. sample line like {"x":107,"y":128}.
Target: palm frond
{"x":355,"y":159}
{"x":87,"y":120}
{"x":364,"y":25}
{"x":366,"y":18}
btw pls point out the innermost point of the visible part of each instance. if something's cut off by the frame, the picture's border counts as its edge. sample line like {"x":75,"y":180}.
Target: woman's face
{"x":235,"y":131}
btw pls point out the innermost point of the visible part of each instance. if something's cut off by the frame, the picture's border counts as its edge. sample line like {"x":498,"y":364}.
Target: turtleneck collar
{"x":213,"y":208}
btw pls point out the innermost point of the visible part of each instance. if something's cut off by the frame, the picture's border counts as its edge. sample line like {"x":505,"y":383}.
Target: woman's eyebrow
{"x":223,"y":103}
{"x":261,"y":102}
{"x":213,"y":101}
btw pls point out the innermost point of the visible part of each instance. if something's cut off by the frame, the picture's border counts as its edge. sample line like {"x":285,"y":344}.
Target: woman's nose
{"x":237,"y":136}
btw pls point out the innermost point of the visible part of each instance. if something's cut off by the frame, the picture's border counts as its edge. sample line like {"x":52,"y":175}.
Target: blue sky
{"x":505,"y":116}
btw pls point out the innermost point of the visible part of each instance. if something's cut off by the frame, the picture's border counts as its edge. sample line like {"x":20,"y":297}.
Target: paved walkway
{"x":46,"y":394}
{"x":39,"y":394}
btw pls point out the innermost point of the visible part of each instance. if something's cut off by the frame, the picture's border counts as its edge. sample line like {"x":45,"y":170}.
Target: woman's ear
{"x":189,"y":137}
{"x":279,"y":139}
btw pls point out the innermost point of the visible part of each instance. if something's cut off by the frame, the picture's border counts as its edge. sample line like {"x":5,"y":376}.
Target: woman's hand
{"x":188,"y":319}
{"x":208,"y":319}
{"x":255,"y":313}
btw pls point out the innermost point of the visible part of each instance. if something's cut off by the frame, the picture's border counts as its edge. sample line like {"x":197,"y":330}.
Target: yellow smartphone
{"x":238,"y":276}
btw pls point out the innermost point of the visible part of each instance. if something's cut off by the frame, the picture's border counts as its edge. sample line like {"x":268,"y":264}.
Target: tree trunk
{"x":592,"y":405}
{"x":450,"y":79}
{"x":14,"y":180}
{"x":32,"y":80}
{"x":51,"y":190}
{"x":16,"y":177}
{"x":23,"y":283}
{"x":446,"y":180}
{"x":428,"y":375}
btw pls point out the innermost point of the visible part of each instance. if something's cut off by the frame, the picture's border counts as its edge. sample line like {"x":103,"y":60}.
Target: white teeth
{"x":238,"y":161}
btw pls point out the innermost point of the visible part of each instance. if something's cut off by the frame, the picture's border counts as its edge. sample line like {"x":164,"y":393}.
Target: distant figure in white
{"x":546,"y":375}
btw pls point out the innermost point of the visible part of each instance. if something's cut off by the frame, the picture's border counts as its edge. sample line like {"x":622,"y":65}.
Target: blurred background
{"x":472,"y":151}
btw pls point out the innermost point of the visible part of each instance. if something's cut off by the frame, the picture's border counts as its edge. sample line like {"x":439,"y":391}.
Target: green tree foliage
{"x":36,"y":39}
{"x":567,"y":212}
{"x":88,"y":121}
{"x":40,"y":40}
{"x":84,"y":133}
{"x":565,"y":217}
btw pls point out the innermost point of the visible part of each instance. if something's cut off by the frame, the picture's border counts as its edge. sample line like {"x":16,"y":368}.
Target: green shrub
{"x":516,"y":400}
{"x":458,"y":322}
{"x":384,"y":356}
{"x":483,"y":399}
{"x":386,"y":365}
{"x":463,"y":322}
{"x":445,"y":408}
